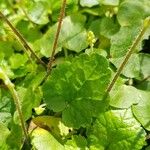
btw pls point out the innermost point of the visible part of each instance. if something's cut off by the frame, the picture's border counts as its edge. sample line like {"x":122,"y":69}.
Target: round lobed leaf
{"x":77,"y":88}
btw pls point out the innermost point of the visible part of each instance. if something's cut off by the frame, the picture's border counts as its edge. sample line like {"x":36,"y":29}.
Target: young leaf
{"x":17,"y":60}
{"x":118,"y":130}
{"x":77,"y":88}
{"x":6,"y":45}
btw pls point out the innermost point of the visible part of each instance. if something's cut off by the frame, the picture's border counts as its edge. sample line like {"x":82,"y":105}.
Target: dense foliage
{"x":72,"y":109}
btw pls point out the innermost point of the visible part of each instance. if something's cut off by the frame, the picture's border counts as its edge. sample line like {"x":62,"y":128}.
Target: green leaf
{"x":118,"y":130}
{"x":30,"y":98}
{"x":4,"y":65}
{"x":130,"y":13}
{"x":17,"y":60}
{"x":72,"y":36}
{"x":146,"y":5}
{"x":5,"y":107}
{"x":42,"y":139}
{"x":108,"y":26}
{"x":142,"y":111}
{"x":144,"y":85}
{"x":58,"y":129}
{"x":6,"y":48}
{"x":137,"y":66}
{"x":144,"y":64}
{"x":109,"y":2}
{"x":3,"y":137}
{"x":132,"y":68}
{"x":37,"y":13}
{"x":75,"y":43}
{"x":124,"y":96}
{"x":147,"y":148}
{"x":33,"y":79}
{"x":15,"y":133}
{"x":89,"y":3}
{"x":31,"y":34}
{"x":122,"y":40}
{"x":105,"y":26}
{"x":77,"y":88}
{"x":76,"y":143}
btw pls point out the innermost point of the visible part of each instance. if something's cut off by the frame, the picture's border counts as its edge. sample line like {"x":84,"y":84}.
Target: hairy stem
{"x":15,"y":96}
{"x":62,"y":13}
{"x":21,"y":38}
{"x":133,"y":46}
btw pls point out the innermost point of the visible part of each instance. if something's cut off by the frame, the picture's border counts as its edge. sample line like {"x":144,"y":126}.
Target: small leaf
{"x":17,"y":60}
{"x":6,"y":48}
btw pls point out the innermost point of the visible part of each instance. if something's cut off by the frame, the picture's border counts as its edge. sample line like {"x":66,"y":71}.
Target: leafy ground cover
{"x":74,"y":75}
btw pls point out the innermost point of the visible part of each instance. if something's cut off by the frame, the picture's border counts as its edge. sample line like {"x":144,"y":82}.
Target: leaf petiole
{"x":129,"y":53}
{"x":15,"y":96}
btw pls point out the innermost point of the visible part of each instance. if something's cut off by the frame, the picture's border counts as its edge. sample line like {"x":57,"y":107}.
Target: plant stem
{"x":131,"y":49}
{"x":23,"y":41}
{"x":15,"y":96}
{"x":147,"y":78}
{"x":62,"y":13}
{"x":65,"y":52}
